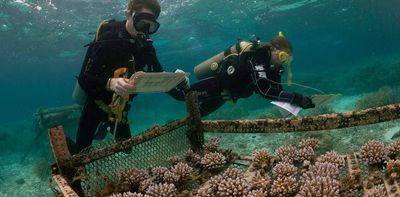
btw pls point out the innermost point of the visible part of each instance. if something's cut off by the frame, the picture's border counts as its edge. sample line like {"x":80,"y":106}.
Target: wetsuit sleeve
{"x":91,"y":79}
{"x":267,"y":83}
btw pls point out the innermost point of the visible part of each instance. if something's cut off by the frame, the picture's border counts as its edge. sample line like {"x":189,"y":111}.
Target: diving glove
{"x":302,"y":101}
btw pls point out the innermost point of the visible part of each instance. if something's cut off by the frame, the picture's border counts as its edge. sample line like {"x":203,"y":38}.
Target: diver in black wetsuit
{"x":118,"y":45}
{"x":258,"y":68}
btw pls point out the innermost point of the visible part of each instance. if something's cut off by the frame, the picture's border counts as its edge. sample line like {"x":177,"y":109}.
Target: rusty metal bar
{"x":311,"y":123}
{"x":196,"y":131}
{"x":59,"y":146}
{"x":84,"y":158}
{"x":66,"y":190}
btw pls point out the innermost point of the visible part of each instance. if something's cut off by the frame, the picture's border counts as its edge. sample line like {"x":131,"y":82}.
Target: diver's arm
{"x":91,"y":78}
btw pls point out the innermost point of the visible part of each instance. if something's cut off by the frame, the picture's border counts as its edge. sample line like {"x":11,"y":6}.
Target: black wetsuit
{"x":252,"y":73}
{"x":115,"y":48}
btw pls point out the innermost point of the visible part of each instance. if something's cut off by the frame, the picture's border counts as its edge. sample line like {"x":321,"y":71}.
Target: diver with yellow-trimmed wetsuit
{"x":243,"y":69}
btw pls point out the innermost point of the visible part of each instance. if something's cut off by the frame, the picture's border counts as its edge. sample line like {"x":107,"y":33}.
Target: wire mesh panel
{"x":99,"y":174}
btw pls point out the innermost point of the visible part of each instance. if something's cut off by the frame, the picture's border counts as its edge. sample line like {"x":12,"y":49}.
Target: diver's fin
{"x":324,"y":99}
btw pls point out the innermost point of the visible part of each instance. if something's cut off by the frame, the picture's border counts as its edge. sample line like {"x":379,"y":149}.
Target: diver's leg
{"x":210,"y":105}
{"x":123,"y":132}
{"x":90,"y":118}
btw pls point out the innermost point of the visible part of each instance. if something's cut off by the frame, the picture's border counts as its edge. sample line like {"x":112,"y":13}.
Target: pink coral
{"x":162,"y":190}
{"x":394,"y":148}
{"x":212,"y":145}
{"x":332,"y":157}
{"x":284,"y":187}
{"x":305,"y":154}
{"x":320,"y":186}
{"x":283,"y":169}
{"x":309,"y":142}
{"x":286,"y":154}
{"x":213,"y":161}
{"x":373,"y":152}
{"x":261,"y":160}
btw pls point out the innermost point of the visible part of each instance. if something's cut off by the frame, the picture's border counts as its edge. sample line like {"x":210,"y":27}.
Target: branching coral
{"x":320,"y":169}
{"x":213,"y":161}
{"x":377,"y":191}
{"x":162,"y":190}
{"x":332,"y":157}
{"x":373,"y":152}
{"x":284,"y":187}
{"x":182,"y":171}
{"x":232,"y":173}
{"x":305,"y":154}
{"x":394,"y":148}
{"x":174,"y":160}
{"x":286,"y":154}
{"x":193,"y":158}
{"x":319,"y":187}
{"x":158,"y":173}
{"x":237,"y":187}
{"x":133,"y":177}
{"x":259,"y":181}
{"x":283,"y":169}
{"x":212,"y":145}
{"x":257,"y":193}
{"x":309,"y":142}
{"x":261,"y":160}
{"x":128,"y":194}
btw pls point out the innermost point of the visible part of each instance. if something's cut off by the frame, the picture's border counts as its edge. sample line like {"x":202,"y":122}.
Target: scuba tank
{"x":212,"y":66}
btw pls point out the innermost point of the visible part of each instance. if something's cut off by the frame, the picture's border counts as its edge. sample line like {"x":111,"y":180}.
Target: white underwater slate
{"x":156,"y":82}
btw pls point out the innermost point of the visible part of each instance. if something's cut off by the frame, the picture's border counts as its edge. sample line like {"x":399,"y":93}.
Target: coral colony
{"x":291,"y":171}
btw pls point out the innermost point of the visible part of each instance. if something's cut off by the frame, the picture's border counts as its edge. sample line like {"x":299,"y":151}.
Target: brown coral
{"x":305,"y":154}
{"x":373,"y":152}
{"x":145,"y":184}
{"x":332,"y":157}
{"x":286,"y":154}
{"x":257,"y":193}
{"x":233,"y":187}
{"x":158,"y":173}
{"x":377,"y":191}
{"x":212,"y":145}
{"x":193,"y":157}
{"x":128,"y":194}
{"x":283,"y":169}
{"x":284,"y":187}
{"x":170,"y":177}
{"x":232,"y":173}
{"x":320,"y":170}
{"x":394,"y":148}
{"x":162,"y":190}
{"x":319,"y":187}
{"x":174,"y":160}
{"x":309,"y":142}
{"x":206,"y":191}
{"x":182,"y":170}
{"x":261,"y":160}
{"x":258,"y":181}
{"x":132,"y":176}
{"x":213,"y":161}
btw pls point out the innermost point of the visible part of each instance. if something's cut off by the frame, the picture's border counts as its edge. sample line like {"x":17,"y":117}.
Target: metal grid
{"x":154,"y":152}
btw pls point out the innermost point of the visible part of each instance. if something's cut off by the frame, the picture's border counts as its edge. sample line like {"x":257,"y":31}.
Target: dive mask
{"x":145,"y":23}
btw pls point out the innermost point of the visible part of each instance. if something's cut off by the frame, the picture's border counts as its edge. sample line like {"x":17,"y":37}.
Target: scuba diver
{"x":245,"y":68}
{"x":119,"y":50}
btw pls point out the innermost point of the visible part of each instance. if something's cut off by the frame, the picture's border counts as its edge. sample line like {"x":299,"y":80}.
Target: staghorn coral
{"x":286,"y":154}
{"x":181,"y":170}
{"x":144,"y":185}
{"x":376,"y":191}
{"x":212,"y":145}
{"x":162,"y":190}
{"x":257,"y":193}
{"x":232,"y":173}
{"x":193,"y":157}
{"x":261,"y":160}
{"x":213,"y":161}
{"x":393,"y":148}
{"x":158,"y":173}
{"x":258,"y":181}
{"x":319,"y":187}
{"x":132,"y":176}
{"x":128,"y":194}
{"x":174,"y":160}
{"x":305,"y":154}
{"x":284,"y":187}
{"x":320,"y":169}
{"x":237,"y":187}
{"x":170,"y":177}
{"x":309,"y":142}
{"x":331,"y":157}
{"x":283,"y":169}
{"x":373,"y":152}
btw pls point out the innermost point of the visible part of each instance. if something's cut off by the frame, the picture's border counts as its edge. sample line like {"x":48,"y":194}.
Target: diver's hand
{"x":121,"y":86}
{"x":302,"y":101}
{"x":184,"y":85}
